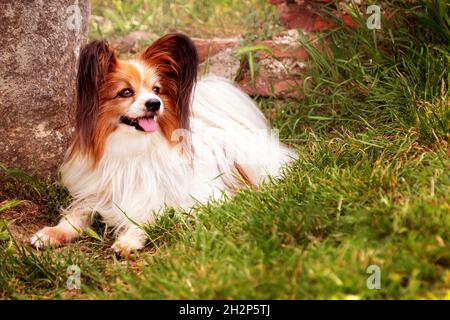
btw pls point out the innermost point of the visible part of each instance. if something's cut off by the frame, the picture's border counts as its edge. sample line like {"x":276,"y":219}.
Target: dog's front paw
{"x":125,"y":246}
{"x":50,"y":237}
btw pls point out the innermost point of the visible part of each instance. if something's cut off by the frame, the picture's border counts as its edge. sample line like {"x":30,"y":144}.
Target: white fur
{"x":138,"y":107}
{"x":140,"y":173}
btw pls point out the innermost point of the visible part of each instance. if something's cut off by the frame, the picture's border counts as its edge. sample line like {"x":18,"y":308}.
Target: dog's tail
{"x":246,"y":136}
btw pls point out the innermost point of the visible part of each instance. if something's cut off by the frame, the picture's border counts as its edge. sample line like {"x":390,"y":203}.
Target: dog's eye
{"x":126,"y":93}
{"x":156,"y":90}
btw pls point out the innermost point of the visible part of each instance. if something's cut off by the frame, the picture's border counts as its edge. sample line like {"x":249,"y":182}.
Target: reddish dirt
{"x":210,"y":47}
{"x":27,"y":218}
{"x":302,"y":14}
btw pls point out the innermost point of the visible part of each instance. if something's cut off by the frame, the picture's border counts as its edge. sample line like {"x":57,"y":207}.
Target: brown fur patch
{"x":124,"y":75}
{"x":176,"y":62}
{"x":96,"y":61}
{"x":244,"y":175}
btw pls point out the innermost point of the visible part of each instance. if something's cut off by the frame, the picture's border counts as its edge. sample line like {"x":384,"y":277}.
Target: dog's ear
{"x":176,"y":60}
{"x":96,"y":60}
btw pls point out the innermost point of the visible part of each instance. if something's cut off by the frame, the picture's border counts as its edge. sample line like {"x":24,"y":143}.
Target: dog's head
{"x":149,"y":94}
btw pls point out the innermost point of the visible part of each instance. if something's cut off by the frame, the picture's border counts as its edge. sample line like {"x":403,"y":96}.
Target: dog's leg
{"x":68,"y":229}
{"x":132,"y":239}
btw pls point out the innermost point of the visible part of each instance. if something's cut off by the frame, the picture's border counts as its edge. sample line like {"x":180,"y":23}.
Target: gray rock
{"x":225,"y":64}
{"x":132,"y":42}
{"x":40,"y":44}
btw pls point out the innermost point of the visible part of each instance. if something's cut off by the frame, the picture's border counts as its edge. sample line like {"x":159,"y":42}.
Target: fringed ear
{"x":96,"y":60}
{"x":176,"y":60}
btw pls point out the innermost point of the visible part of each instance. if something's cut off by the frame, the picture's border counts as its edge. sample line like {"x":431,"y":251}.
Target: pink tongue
{"x":148,"y":124}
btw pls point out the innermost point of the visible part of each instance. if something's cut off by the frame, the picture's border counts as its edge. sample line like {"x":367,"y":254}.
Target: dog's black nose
{"x":152,"y":104}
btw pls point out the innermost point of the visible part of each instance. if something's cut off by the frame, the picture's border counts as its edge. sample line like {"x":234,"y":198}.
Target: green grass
{"x":212,"y":18}
{"x":371,"y":187}
{"x":49,"y":194}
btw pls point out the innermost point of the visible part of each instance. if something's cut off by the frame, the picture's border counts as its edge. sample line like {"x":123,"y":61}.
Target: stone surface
{"x":279,"y":73}
{"x":210,"y":47}
{"x":136,"y":40}
{"x":40,"y":45}
{"x":302,"y":14}
{"x":133,"y":42}
{"x":263,"y":86}
{"x":225,"y":64}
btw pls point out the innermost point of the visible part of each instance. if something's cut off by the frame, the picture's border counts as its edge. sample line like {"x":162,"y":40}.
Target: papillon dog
{"x":149,"y":136}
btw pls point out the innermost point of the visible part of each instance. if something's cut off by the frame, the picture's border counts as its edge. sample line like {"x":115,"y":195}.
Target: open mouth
{"x":146,"y":124}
